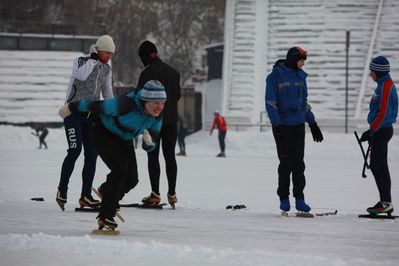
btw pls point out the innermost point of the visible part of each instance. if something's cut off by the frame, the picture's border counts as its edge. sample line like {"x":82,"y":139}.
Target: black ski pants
{"x":167,"y":140}
{"x":379,"y":162}
{"x":221,"y":138}
{"x":120,"y":158}
{"x":290,"y":150}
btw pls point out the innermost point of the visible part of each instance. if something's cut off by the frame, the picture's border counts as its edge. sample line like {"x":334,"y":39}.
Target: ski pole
{"x":365,"y":164}
{"x":365,"y":155}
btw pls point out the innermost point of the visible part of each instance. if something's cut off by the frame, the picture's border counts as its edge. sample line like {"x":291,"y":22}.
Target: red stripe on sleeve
{"x":385,"y":93}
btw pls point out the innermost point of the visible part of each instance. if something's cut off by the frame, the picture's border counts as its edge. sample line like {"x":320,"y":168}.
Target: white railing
{"x":366,"y":66}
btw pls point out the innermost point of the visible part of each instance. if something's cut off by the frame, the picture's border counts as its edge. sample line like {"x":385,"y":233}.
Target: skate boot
{"x":301,"y":206}
{"x":221,"y":155}
{"x":61,"y":199}
{"x":89,"y":201}
{"x":107,"y":223}
{"x":152,"y":200}
{"x":285,"y":206}
{"x":381,"y":207}
{"x":182,"y":153}
{"x":172,"y":199}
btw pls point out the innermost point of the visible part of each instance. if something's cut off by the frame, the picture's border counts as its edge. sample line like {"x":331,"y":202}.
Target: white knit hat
{"x":106,"y":44}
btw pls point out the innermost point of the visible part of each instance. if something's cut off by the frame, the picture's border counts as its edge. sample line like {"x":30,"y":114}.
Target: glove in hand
{"x":316,"y":132}
{"x":64,"y":111}
{"x":366,"y":136}
{"x":148,"y":144}
{"x":93,"y":52}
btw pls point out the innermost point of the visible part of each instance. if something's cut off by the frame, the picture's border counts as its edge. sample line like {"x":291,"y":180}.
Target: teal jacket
{"x":124,"y":116}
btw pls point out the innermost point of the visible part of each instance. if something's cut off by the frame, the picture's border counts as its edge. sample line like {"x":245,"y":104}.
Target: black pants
{"x":167,"y":138}
{"x":221,"y":138}
{"x":379,"y":162}
{"x":180,"y":139}
{"x":77,"y":131}
{"x":290,"y":150}
{"x":120,"y":158}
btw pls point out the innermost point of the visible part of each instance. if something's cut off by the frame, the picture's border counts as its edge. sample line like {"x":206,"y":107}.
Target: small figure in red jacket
{"x":221,"y":124}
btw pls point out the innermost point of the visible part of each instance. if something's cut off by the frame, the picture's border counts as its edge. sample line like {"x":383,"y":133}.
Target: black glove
{"x":94,"y":56}
{"x":366,"y":136}
{"x":316,"y":132}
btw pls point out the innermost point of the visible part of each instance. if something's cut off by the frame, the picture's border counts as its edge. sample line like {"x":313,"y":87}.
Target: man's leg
{"x":73,"y":126}
{"x":90,"y":159}
{"x":379,"y":162}
{"x":298,"y":164}
{"x":169,"y":136}
{"x":284,"y":168}
{"x":154,"y":170}
{"x":111,"y":150}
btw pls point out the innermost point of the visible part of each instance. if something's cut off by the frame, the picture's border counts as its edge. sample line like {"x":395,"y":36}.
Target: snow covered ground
{"x":200,"y":231}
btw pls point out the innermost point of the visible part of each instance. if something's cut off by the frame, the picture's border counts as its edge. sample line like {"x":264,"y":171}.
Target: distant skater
{"x":219,"y":122}
{"x":181,"y":135}
{"x":41,"y":132}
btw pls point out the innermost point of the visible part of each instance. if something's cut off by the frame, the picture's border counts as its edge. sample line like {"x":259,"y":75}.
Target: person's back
{"x":170,"y":78}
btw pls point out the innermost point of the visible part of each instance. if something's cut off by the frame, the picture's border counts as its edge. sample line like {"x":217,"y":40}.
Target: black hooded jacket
{"x":170,"y":78}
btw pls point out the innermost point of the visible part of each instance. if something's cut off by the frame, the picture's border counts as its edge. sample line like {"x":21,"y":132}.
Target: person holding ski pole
{"x":91,"y":75}
{"x":288,"y":110}
{"x":382,"y":114}
{"x":117,"y":122}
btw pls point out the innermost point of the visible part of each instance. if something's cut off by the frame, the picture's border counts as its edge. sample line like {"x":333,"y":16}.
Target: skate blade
{"x":61,"y":204}
{"x":304,"y":215}
{"x":118,"y":213}
{"x":284,"y":213}
{"x":106,"y":232}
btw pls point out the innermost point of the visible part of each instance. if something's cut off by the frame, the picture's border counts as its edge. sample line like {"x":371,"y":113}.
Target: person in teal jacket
{"x":288,"y":110}
{"x":118,"y":122}
{"x":383,"y":113}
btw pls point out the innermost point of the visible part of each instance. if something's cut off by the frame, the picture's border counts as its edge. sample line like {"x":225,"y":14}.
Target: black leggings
{"x":120,"y":157}
{"x":168,"y":138}
{"x":379,"y":162}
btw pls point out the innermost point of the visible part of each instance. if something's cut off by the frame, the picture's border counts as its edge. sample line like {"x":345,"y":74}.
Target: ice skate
{"x":172,"y":199}
{"x":380,"y":208}
{"x":285,"y":206}
{"x":152,"y":200}
{"x":61,"y":199}
{"x":303,"y":209}
{"x":106,"y":226}
{"x":182,"y":153}
{"x":221,"y":155}
{"x":89,"y":201}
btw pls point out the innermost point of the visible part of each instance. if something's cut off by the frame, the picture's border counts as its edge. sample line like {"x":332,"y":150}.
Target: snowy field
{"x":200,"y":231}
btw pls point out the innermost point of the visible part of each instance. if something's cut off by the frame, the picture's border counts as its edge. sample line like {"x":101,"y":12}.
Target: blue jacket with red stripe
{"x":383,"y":104}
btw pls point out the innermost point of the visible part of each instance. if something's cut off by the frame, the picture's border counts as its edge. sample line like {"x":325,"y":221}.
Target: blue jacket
{"x":124,"y":116}
{"x":286,"y":96}
{"x":383,"y":104}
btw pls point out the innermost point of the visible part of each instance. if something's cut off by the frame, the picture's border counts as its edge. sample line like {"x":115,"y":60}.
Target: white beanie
{"x":106,"y":44}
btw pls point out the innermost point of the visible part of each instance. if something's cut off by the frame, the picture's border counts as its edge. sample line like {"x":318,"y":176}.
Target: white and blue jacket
{"x":286,"y":96}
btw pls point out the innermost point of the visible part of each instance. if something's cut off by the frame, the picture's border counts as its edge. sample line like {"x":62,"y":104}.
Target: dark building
{"x":214,"y":60}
